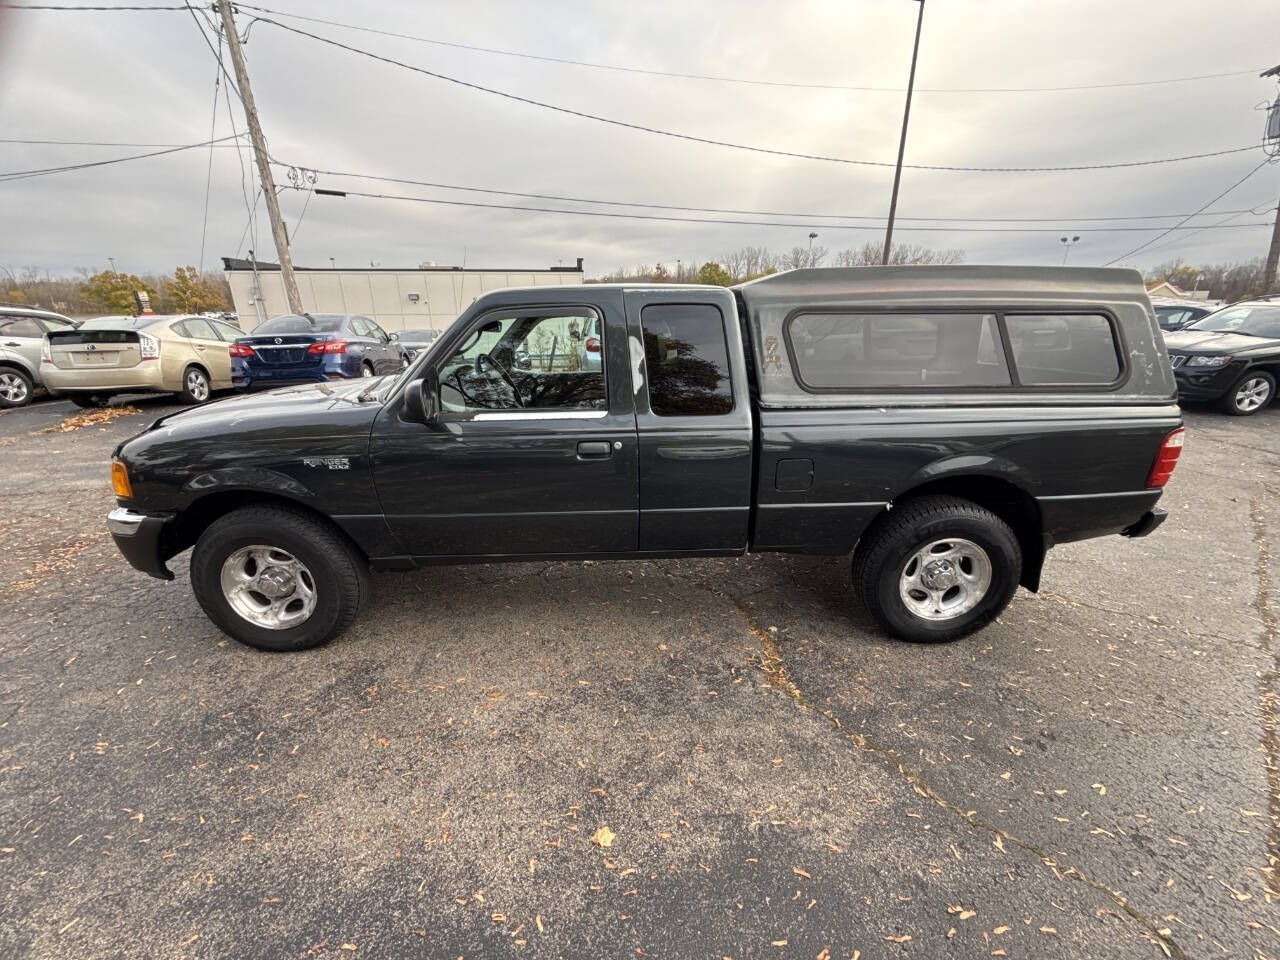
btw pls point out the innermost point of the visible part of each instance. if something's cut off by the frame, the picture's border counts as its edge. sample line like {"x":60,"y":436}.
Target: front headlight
{"x":1208,"y":361}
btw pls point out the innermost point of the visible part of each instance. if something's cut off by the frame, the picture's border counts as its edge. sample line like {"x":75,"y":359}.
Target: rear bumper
{"x":1149,"y":521}
{"x":269,"y":376}
{"x":144,"y":376}
{"x":138,"y":537}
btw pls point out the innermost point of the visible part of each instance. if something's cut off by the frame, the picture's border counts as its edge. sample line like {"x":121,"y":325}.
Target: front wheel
{"x":1250,"y":394}
{"x":277,"y":579}
{"x":937,"y":569}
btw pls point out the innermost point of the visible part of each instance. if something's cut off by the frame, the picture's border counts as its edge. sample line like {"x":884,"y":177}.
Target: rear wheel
{"x":1250,"y":394}
{"x":366,"y":369}
{"x":195,"y":386}
{"x":277,"y":579}
{"x":15,"y":388}
{"x":937,"y":569}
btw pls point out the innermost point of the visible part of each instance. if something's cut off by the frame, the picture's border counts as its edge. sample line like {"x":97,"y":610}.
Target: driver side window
{"x":528,"y":360}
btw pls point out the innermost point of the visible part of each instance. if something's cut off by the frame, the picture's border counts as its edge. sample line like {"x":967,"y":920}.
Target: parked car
{"x":22,"y":332}
{"x":1230,"y":357}
{"x":415,"y":340}
{"x":1175,"y":314}
{"x":181,"y":354}
{"x":590,"y":356}
{"x":946,"y":425}
{"x":293,"y":349}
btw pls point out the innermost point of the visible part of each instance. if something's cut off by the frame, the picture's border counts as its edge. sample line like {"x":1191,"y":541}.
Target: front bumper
{"x":1146,"y":524}
{"x":1202,"y":384}
{"x":138,"y":537}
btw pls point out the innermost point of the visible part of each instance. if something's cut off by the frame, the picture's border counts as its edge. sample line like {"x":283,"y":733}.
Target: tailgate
{"x":95,"y":349}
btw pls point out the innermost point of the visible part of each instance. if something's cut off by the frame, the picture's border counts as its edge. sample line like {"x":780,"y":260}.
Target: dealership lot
{"x":1098,"y":774}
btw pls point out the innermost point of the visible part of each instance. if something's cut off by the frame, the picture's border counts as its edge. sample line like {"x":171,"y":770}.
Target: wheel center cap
{"x":275,"y":584}
{"x":939,"y":575}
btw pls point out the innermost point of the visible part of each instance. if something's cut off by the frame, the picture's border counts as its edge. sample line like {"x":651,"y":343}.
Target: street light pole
{"x":902,"y":144}
{"x":112,"y":261}
{"x":812,"y":237}
{"x":1067,"y":244}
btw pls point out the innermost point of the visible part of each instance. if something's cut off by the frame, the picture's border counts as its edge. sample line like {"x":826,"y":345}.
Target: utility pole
{"x":902,"y":144}
{"x":260,"y":154}
{"x":1271,"y":142}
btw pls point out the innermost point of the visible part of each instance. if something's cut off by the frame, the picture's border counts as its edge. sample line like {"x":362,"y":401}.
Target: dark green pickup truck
{"x":945,"y":426}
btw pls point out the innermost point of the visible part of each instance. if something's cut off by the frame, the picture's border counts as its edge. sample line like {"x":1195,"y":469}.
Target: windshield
{"x":1250,"y":319}
{"x":290,"y":323}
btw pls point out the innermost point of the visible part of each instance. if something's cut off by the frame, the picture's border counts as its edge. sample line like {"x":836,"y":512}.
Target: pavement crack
{"x":774,"y":669}
{"x":1268,"y":704}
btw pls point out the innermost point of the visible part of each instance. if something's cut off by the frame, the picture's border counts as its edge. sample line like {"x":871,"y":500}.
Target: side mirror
{"x":422,"y":399}
{"x":394,"y":336}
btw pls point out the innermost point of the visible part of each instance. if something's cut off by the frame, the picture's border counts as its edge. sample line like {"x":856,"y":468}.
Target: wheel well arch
{"x":197,"y":516}
{"x":8,"y":364}
{"x":199,"y":366}
{"x":1008,"y":501}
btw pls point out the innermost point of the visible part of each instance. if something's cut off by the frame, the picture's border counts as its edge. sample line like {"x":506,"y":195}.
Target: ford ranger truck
{"x":939,"y":428}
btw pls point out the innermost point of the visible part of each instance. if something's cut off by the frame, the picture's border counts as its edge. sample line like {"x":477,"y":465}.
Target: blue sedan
{"x":313,"y":347}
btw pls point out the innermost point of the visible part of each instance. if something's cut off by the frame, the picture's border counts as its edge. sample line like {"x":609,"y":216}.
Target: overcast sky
{"x":149,"y":78}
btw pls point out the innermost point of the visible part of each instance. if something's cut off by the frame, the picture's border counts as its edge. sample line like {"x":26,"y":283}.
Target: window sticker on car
{"x":637,"y":358}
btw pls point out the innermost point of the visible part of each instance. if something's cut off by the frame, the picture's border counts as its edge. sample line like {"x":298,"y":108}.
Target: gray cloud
{"x":149,"y":78}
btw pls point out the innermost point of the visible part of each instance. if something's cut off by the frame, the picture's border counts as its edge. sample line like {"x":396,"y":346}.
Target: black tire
{"x":1231,"y":401}
{"x":883,"y":555}
{"x":339,"y":573}
{"x":89,"y":401}
{"x":15,"y":388}
{"x":195,"y":386}
{"x":366,"y":369}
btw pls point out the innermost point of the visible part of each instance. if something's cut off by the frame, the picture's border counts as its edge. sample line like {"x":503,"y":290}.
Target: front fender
{"x":256,"y":479}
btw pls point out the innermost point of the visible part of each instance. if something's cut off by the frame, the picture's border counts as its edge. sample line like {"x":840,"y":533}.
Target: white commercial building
{"x":428,"y":297}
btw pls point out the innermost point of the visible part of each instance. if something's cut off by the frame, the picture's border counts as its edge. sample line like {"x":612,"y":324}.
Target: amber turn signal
{"x":120,"y":480}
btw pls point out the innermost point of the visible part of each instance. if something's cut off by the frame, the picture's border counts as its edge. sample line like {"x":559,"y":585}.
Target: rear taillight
{"x":593,"y":345}
{"x":45,"y":354}
{"x":328,"y":346}
{"x":1166,"y":459}
{"x":150,"y":346}
{"x":239,"y":350}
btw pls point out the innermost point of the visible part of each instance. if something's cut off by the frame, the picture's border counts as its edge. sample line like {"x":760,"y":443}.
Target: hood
{"x":1207,"y":341}
{"x":310,"y":411}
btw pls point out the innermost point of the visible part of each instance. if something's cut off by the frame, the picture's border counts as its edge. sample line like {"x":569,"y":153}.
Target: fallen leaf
{"x":800,"y":873}
{"x":1049,"y":930}
{"x":603,"y":837}
{"x":905,"y":938}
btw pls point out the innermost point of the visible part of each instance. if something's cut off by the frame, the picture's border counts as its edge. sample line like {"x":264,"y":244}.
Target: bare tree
{"x":749,"y":262}
{"x":870,"y":254}
{"x":801,"y":257}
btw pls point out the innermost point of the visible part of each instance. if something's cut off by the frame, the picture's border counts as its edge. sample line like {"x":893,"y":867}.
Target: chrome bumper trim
{"x":123,"y":522}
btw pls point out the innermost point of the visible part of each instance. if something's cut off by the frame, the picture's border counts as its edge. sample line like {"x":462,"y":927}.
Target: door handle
{"x":593,"y":449}
{"x":199,"y":346}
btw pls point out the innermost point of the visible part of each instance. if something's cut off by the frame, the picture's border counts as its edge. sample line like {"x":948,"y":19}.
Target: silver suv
{"x":22,"y":332}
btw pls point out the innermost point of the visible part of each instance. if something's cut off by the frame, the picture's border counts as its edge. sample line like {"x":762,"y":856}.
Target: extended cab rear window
{"x":1066,"y":349}
{"x":855,"y":351}
{"x":687,"y":357}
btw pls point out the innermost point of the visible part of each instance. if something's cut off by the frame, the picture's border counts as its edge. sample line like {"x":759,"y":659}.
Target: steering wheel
{"x":484,"y":359}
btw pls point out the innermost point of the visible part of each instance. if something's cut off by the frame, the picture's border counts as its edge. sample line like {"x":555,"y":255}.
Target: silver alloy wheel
{"x":13,"y":388}
{"x":197,"y":385}
{"x":268,"y":587}
{"x":366,"y":370}
{"x":945,"y":579}
{"x":1252,"y":394}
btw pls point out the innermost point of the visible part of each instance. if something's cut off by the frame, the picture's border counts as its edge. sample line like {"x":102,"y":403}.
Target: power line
{"x":208,"y":175}
{"x":1178,"y":225}
{"x":45,"y":171}
{"x":95,"y":143}
{"x":724,"y":143}
{"x":754,"y":223}
{"x":100,"y":9}
{"x":730,"y":210}
{"x":739,"y":80}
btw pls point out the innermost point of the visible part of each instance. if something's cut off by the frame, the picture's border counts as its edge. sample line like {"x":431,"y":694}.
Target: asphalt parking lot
{"x":1096,"y":775}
